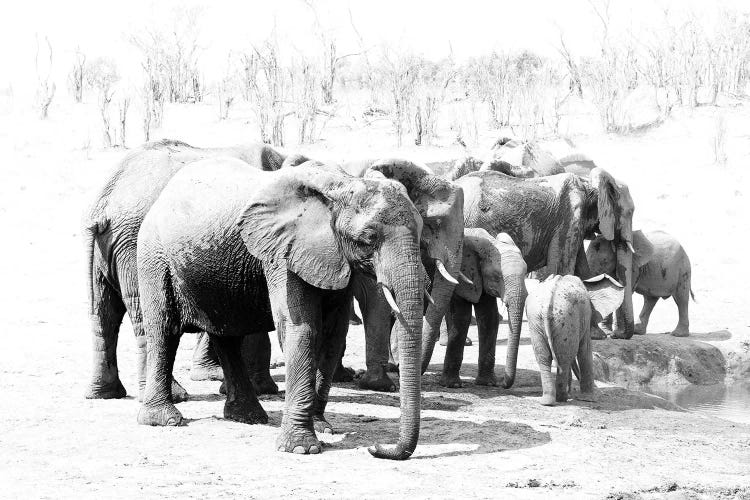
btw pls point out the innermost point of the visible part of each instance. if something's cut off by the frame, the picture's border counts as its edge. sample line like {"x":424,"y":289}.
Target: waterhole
{"x":730,"y":402}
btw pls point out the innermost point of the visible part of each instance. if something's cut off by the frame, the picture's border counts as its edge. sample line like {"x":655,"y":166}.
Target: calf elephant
{"x":232,"y":250}
{"x":111,"y":230}
{"x":560,"y":310}
{"x":661,"y":269}
{"x":496,"y":269}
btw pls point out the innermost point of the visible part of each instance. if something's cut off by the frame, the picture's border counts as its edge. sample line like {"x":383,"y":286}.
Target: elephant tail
{"x":548,"y":332}
{"x":91,"y":229}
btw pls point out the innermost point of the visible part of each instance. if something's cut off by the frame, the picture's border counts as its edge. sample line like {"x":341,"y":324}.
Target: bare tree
{"x":432,"y":83}
{"x":123,"y":104}
{"x":102,"y":75}
{"x":266,"y":86}
{"x":399,"y":72}
{"x":45,"y":85}
{"x":77,"y":75}
{"x":226,"y":88}
{"x":305,"y":81}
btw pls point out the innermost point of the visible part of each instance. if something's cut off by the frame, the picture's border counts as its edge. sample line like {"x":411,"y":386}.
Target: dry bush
{"x":266,"y":86}
{"x":102,"y":76}
{"x":305,"y":80}
{"x":46,"y":87}
{"x":76,"y":78}
{"x":398,"y":73}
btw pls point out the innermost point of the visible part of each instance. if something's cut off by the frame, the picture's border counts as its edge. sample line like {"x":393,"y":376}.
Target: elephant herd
{"x":233,"y":243}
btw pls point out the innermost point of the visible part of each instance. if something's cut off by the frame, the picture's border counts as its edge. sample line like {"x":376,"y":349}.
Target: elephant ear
{"x":289,"y":222}
{"x":644,"y":250}
{"x":295,"y":160}
{"x":607,"y":194}
{"x":605,"y":292}
{"x":432,"y":196}
{"x":490,"y":263}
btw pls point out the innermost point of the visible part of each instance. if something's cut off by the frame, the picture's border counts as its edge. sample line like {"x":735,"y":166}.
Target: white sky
{"x":469,"y":27}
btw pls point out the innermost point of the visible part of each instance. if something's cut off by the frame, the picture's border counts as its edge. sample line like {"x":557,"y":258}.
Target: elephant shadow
{"x":714,"y":336}
{"x":438,"y":402}
{"x":437,"y":437}
{"x":527,"y":382}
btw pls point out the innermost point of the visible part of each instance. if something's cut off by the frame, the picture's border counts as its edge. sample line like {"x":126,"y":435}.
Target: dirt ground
{"x":481,"y":442}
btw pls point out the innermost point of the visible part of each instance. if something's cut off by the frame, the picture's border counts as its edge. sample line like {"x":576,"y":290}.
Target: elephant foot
{"x":376,"y":380}
{"x":450,"y":381}
{"x":681,"y":331}
{"x":298,"y":439}
{"x":113,"y":390}
{"x":212,"y":372}
{"x":263,"y":383}
{"x":321,"y":425}
{"x":639,"y":329}
{"x":179,"y":394}
{"x":245,"y":411}
{"x":343,"y":374}
{"x":562,"y":397}
{"x":548,"y":400}
{"x":162,"y":415}
{"x":391,"y":368}
{"x":619,"y":335}
{"x":598,"y":333}
{"x":487,"y":380}
{"x":589,"y":396}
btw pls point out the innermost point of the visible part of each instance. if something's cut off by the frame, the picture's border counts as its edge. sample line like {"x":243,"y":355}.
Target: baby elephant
{"x":559,"y":311}
{"x":663,"y":270}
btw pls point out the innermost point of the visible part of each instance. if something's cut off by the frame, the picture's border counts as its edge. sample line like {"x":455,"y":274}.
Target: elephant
{"x":440,"y":205}
{"x":110,"y":230}
{"x":548,"y":218}
{"x":236,"y":251}
{"x":560,"y":311}
{"x":496,"y":269}
{"x":661,"y":269}
{"x":525,"y":159}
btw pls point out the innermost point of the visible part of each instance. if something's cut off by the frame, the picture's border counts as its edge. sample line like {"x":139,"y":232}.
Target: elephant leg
{"x":682,"y":299}
{"x":602,"y":329}
{"x":335,"y":326}
{"x":378,"y":322}
{"x":205,"y":365}
{"x":649,"y":302}
{"x":157,"y":407}
{"x":549,"y":382}
{"x":562,"y":383}
{"x":297,"y":311}
{"x":132,"y":301}
{"x":242,"y":404}
{"x":256,"y":352}
{"x":343,"y":374}
{"x":108,"y":311}
{"x":488,"y":322}
{"x":460,"y":311}
{"x":586,"y":365}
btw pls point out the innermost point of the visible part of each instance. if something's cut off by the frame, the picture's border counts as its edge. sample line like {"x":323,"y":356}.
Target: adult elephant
{"x":440,"y":205}
{"x":111,"y":229}
{"x":548,"y":218}
{"x":225,"y":247}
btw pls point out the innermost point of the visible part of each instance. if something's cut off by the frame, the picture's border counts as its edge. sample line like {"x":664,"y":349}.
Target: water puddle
{"x":730,"y":402}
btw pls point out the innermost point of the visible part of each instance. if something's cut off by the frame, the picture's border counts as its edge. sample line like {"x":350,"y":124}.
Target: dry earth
{"x":475,"y":441}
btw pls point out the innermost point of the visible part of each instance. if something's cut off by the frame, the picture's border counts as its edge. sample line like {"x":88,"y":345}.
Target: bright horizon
{"x":433,"y":29}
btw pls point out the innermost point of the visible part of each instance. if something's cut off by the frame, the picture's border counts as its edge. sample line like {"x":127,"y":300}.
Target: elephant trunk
{"x":442,"y":291}
{"x":624,"y":272}
{"x":398,"y":268}
{"x":515,"y":294}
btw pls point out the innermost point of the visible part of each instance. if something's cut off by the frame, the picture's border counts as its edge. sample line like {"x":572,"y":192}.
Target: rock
{"x":657,"y":361}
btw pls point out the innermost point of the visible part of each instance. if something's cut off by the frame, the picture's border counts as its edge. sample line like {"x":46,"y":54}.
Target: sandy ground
{"x":475,"y":441}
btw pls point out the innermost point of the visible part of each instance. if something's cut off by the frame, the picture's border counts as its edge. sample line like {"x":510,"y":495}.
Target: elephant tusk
{"x":391,"y":301}
{"x":444,"y":272}
{"x":630,"y":247}
{"x":429,"y":297}
{"x":465,"y":278}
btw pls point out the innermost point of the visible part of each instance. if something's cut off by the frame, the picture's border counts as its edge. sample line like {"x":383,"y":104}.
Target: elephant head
{"x":322,"y":225}
{"x":441,"y":205}
{"x":610,"y":213}
{"x":496,"y":267}
{"x":602,"y":256}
